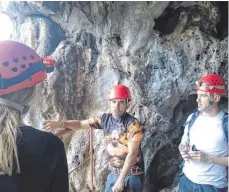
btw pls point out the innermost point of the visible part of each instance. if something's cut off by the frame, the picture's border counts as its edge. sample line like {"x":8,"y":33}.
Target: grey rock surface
{"x":158,"y":49}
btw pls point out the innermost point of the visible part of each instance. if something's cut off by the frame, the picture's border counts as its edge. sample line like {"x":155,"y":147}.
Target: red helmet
{"x":21,"y":67}
{"x":211,"y":83}
{"x":119,"y":92}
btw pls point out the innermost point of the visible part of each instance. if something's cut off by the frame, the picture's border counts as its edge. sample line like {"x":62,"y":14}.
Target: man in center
{"x":123,"y":135}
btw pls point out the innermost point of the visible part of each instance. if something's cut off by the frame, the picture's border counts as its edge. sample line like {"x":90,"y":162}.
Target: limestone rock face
{"x":158,"y":49}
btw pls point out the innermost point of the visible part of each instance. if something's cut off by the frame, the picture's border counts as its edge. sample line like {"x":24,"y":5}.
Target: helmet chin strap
{"x":12,"y":104}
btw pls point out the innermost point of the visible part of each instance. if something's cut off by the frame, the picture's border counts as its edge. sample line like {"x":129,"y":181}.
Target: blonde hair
{"x":10,"y":120}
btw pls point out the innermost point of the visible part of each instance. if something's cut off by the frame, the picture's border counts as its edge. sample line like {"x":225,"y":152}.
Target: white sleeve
{"x":184,"y":138}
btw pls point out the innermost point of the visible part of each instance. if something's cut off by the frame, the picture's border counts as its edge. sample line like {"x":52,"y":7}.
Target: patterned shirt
{"x":118,"y":132}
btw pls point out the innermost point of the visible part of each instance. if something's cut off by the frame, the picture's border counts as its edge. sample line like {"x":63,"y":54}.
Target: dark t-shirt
{"x":42,"y":162}
{"x":118,"y":132}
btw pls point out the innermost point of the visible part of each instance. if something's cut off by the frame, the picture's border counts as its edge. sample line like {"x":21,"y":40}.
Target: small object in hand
{"x":194,"y":148}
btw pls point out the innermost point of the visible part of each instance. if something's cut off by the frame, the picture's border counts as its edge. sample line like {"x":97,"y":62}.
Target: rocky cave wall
{"x":158,"y":49}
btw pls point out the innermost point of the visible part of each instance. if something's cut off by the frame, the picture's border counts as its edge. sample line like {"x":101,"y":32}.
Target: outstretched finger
{"x":47,"y":126}
{"x":48,"y":129}
{"x":46,"y":123}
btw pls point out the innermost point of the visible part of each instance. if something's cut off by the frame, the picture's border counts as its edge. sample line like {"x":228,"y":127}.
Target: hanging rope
{"x":91,"y":153}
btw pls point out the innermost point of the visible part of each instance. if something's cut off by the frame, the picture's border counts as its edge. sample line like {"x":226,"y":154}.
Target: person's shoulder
{"x":131,"y":120}
{"x":34,"y":134}
{"x":224,"y":113}
{"x":105,"y":115}
{"x":129,"y":117}
{"x":192,"y":115}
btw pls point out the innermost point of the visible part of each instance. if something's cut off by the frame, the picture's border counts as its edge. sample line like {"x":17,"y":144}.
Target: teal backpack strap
{"x":225,"y":130}
{"x":225,"y":124}
{"x":191,"y":122}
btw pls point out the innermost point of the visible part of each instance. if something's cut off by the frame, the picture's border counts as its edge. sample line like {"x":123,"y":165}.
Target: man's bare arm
{"x":75,"y":124}
{"x":203,"y":157}
{"x":69,"y":124}
{"x":129,"y":161}
{"x":133,"y":147}
{"x":220,"y":160}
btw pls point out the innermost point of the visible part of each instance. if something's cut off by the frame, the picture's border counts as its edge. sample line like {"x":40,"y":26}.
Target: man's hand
{"x":184,"y":152}
{"x":200,"y":156}
{"x":52,"y":125}
{"x":119,"y":186}
{"x":181,"y":147}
